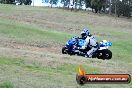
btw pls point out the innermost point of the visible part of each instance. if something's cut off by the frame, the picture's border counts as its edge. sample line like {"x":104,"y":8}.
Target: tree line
{"x":117,"y":7}
{"x":25,"y":2}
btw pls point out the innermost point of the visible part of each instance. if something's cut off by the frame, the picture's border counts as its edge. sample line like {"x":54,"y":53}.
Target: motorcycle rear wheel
{"x":64,"y":50}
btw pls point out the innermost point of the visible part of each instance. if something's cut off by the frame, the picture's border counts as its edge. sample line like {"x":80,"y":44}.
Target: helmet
{"x":84,"y":33}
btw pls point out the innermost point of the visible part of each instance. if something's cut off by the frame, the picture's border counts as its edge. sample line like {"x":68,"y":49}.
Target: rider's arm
{"x":80,"y":38}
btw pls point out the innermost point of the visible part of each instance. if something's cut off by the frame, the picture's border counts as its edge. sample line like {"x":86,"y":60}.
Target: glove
{"x":83,"y":47}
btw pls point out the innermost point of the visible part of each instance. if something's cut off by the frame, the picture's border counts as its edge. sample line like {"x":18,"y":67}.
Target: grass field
{"x":30,"y":47}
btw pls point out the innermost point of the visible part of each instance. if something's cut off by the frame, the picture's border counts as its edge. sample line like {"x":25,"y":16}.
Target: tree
{"x":94,"y":5}
{"x":7,"y":1}
{"x":97,"y":5}
{"x":104,"y":5}
{"x":121,"y":8}
{"x":88,"y":3}
{"x":80,"y":3}
{"x":65,"y":3}
{"x":110,"y":7}
{"x":27,"y":2}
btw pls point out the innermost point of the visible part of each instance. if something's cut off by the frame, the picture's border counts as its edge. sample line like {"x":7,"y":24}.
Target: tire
{"x":107,"y":54}
{"x":100,"y":54}
{"x":104,"y":54}
{"x":64,"y":50}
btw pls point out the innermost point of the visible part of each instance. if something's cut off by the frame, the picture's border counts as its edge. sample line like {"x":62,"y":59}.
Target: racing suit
{"x":92,"y":43}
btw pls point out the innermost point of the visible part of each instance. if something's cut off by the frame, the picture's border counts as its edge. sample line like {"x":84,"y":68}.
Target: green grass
{"x":63,"y":74}
{"x":10,"y":61}
{"x":34,"y":66}
{"x":6,"y":84}
{"x":27,"y":33}
{"x":12,"y":8}
{"x":60,"y":76}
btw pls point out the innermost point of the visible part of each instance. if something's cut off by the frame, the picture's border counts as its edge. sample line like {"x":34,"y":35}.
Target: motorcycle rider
{"x":90,"y":41}
{"x":84,"y":33}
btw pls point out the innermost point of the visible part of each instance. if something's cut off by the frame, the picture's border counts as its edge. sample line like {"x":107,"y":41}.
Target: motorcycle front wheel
{"x":104,"y":54}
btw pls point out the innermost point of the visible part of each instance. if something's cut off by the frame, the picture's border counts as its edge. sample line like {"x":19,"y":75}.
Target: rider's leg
{"x":90,"y":52}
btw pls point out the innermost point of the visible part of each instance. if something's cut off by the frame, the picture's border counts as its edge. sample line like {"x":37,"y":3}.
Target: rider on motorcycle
{"x":90,"y":41}
{"x":84,"y":33}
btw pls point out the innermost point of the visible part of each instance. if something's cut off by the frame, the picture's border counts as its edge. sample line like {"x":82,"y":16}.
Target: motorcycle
{"x":101,"y":53}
